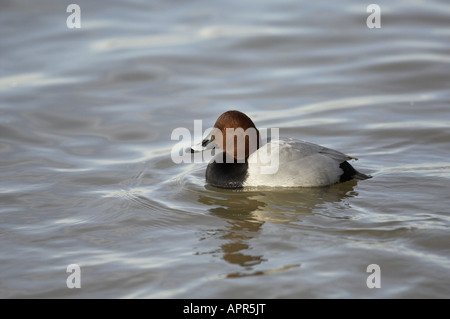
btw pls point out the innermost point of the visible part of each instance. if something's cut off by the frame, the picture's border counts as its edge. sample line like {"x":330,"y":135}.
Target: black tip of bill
{"x":204,"y":145}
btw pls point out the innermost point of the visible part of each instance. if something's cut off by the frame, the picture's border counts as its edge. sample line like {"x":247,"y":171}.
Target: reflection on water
{"x":240,"y":229}
{"x":246,"y":211}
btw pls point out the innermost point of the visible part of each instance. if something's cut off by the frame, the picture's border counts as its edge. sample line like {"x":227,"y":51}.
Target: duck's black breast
{"x":226,"y":175}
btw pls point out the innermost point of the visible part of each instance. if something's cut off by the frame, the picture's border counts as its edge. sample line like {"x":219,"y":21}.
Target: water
{"x":86,"y":175}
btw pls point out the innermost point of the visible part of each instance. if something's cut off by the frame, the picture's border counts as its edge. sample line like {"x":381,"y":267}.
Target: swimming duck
{"x":281,"y":162}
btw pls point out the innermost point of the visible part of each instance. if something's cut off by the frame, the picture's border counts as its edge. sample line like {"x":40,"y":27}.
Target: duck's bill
{"x":207,"y":143}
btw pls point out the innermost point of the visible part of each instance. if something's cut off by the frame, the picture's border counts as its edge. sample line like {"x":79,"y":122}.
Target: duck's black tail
{"x":351,"y":173}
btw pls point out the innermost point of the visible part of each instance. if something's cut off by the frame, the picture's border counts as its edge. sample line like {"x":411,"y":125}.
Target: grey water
{"x":86,"y":176}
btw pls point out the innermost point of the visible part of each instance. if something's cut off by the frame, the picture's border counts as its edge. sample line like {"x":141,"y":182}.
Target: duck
{"x":243,"y":160}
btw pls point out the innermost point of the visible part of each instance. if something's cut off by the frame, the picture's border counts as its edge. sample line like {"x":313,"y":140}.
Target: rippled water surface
{"x":86,"y":176}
